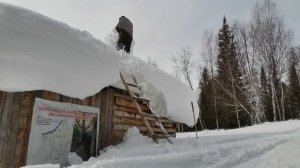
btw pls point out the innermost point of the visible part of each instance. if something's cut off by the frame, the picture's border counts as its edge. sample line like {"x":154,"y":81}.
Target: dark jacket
{"x":124,"y":24}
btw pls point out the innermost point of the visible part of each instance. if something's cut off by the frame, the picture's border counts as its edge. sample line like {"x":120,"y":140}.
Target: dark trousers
{"x":124,"y":41}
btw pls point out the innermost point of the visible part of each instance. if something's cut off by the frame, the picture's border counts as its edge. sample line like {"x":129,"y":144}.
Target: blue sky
{"x":161,"y":27}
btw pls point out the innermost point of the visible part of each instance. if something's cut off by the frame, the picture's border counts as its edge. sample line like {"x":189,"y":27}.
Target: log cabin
{"x":46,"y":59}
{"x":117,"y":114}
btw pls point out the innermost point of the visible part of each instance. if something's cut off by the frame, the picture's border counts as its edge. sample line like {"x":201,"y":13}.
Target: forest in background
{"x":250,"y":72}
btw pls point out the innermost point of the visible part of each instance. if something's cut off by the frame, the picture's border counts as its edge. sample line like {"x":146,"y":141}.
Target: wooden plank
{"x":4,"y":126}
{"x":110,"y":115}
{"x":144,"y":133}
{"x":170,"y":134}
{"x":129,"y":121}
{"x":135,"y":121}
{"x":92,"y":101}
{"x":122,"y":108}
{"x":123,"y":127}
{"x":129,"y":103}
{"x":165,"y":124}
{"x":85,"y":102}
{"x":76,"y":101}
{"x":103,"y":118}
{"x":131,"y":110}
{"x":2,"y":96}
{"x":163,"y":120}
{"x":118,"y":135}
{"x":13,"y":129}
{"x":29,"y":112}
{"x":169,"y":125}
{"x":26,"y":110}
{"x":124,"y":114}
{"x":97,"y":103}
{"x":65,"y":99}
{"x":128,"y":109}
{"x":50,"y":96}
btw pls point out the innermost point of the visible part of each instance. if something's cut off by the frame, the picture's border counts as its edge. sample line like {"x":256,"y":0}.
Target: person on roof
{"x":124,"y":28}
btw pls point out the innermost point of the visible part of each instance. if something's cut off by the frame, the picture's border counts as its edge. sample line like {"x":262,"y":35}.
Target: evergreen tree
{"x":294,"y":88}
{"x":230,"y":90}
{"x":206,"y":100}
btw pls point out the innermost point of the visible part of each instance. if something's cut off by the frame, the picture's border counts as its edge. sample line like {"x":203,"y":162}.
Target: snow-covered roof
{"x":39,"y":53}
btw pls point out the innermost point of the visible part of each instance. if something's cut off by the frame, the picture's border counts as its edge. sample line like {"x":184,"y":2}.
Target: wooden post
{"x":194,"y":119}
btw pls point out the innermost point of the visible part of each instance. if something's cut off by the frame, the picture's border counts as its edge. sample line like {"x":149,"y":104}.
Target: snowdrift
{"x":269,"y":145}
{"x":39,"y":53}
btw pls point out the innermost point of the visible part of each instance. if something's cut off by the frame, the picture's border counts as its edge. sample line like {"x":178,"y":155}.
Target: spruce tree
{"x":230,"y":90}
{"x":206,"y":100}
{"x":294,"y":88}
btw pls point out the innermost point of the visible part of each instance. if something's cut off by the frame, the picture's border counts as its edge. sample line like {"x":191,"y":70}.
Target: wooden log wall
{"x":15,"y":121}
{"x":126,"y":116}
{"x":117,"y":114}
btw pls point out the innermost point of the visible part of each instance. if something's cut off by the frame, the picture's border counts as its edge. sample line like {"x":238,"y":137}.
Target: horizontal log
{"x":126,"y":109}
{"x":129,"y":103}
{"x":131,"y":110}
{"x":118,"y":112}
{"x":139,"y":121}
{"x":163,"y":120}
{"x":118,"y":135}
{"x":50,"y":95}
{"x":123,"y":127}
{"x":129,"y":121}
{"x":168,"y":124}
{"x":124,"y":114}
{"x":171,"y":134}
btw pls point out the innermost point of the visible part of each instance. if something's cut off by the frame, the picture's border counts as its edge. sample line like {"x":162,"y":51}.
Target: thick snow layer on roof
{"x":38,"y":53}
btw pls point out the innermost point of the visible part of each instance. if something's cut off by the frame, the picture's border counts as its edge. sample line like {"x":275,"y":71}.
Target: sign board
{"x":60,"y":128}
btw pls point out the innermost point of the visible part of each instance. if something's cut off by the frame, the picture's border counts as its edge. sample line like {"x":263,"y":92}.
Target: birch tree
{"x":249,"y":70}
{"x":271,"y":40}
{"x":182,"y":63}
{"x":209,"y":55}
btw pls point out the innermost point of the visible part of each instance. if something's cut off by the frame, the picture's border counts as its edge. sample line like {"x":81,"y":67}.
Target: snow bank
{"x":265,"y":128}
{"x":247,"y":148}
{"x":43,"y":166}
{"x":74,"y":159}
{"x":38,"y":53}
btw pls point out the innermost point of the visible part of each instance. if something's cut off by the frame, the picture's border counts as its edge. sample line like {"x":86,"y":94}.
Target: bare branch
{"x":182,"y":62}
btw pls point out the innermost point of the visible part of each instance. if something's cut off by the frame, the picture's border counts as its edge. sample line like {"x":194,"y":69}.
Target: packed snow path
{"x":270,"y":145}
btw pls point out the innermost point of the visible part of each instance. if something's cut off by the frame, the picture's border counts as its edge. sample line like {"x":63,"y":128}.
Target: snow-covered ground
{"x":269,"y":145}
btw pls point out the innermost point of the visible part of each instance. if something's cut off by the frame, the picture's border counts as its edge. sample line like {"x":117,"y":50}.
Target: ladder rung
{"x":132,"y":84}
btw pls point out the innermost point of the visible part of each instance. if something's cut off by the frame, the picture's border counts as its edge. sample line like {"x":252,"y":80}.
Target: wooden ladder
{"x":144,"y":115}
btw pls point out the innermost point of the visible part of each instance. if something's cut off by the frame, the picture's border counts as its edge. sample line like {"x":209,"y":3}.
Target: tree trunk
{"x":273,"y":101}
{"x":282,"y":102}
{"x":235,"y":104}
